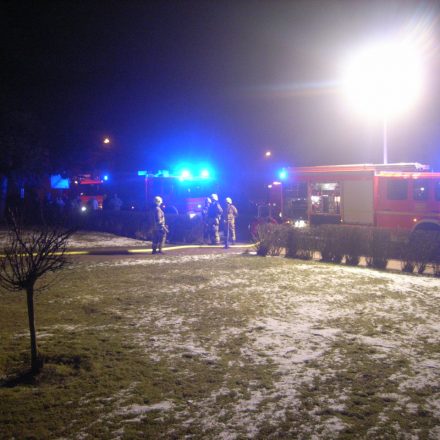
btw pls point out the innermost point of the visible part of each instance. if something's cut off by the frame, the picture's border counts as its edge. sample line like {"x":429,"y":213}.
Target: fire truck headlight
{"x":83,"y":208}
{"x":300,"y":224}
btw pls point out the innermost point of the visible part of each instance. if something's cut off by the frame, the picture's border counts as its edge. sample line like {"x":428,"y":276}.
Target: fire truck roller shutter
{"x":357,"y":200}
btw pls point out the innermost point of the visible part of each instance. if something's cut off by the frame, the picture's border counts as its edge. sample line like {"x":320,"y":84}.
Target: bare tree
{"x":28,"y":256}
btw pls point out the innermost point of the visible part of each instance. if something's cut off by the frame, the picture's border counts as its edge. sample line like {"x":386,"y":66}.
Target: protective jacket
{"x":231,"y":213}
{"x":159,"y":219}
{"x":160,"y":229}
{"x":215,"y":212}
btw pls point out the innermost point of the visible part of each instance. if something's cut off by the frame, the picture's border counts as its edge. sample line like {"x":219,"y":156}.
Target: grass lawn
{"x":224,"y":346}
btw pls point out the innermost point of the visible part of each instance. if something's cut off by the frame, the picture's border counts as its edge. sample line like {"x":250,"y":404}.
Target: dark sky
{"x":211,"y":80}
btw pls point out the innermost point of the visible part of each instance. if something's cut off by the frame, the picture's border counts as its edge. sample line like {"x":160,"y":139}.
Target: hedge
{"x":344,"y":243}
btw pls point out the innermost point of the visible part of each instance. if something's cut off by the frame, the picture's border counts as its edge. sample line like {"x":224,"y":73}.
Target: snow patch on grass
{"x":157,"y":261}
{"x":102,"y":239}
{"x":85,"y":239}
{"x":143,"y":409}
{"x":284,"y":339}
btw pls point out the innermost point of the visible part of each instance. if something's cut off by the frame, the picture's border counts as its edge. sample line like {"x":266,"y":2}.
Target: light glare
{"x":185,"y":174}
{"x":282,"y":174}
{"x":384,"y":79}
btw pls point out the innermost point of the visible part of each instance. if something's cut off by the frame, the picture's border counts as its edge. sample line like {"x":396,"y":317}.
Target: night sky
{"x":210,"y":81}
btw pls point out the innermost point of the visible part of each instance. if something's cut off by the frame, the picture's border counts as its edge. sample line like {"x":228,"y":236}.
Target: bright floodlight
{"x":384,"y":79}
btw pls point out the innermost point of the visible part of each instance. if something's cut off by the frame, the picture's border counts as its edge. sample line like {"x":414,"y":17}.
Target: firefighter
{"x":230,"y":215}
{"x":160,"y":229}
{"x":115,"y":203}
{"x":215,"y":212}
{"x":206,"y":227}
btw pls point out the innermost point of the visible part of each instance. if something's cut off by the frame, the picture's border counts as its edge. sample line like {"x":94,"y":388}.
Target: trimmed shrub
{"x":307,"y":243}
{"x":292,"y":242}
{"x":407,"y":263}
{"x":420,"y":247}
{"x":270,"y":239}
{"x":279,"y":239}
{"x":353,"y":240}
{"x":377,"y":250}
{"x":425,"y":245}
{"x":418,"y":250}
{"x":263,"y":239}
{"x":436,"y":257}
{"x":330,"y":243}
{"x":300,"y":243}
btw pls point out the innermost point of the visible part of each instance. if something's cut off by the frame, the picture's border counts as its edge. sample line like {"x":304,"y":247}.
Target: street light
{"x":106,"y":140}
{"x":383,"y":80}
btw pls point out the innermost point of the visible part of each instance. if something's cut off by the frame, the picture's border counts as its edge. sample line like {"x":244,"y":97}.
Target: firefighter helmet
{"x":158,"y":200}
{"x":228,"y":200}
{"x":214,"y":197}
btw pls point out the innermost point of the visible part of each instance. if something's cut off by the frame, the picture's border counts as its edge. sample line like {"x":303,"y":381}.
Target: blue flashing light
{"x":205,"y":174}
{"x":142,"y":173}
{"x":105,"y":177}
{"x":185,"y":175}
{"x":282,"y":174}
{"x":188,"y":171}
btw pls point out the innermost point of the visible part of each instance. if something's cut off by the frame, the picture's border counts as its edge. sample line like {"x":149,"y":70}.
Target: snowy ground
{"x":321,"y":336}
{"x":251,"y":347}
{"x":85,"y":239}
{"x":101,"y":239}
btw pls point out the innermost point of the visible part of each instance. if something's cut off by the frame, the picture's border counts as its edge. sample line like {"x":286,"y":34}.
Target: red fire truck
{"x":398,"y":196}
{"x":181,"y":193}
{"x":88,"y":188}
{"x":84,"y":186}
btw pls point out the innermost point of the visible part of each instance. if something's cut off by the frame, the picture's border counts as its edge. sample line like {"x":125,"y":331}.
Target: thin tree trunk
{"x":34,"y":353}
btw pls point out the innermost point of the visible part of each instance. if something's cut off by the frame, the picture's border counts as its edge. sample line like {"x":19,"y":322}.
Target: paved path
{"x":173,"y":249}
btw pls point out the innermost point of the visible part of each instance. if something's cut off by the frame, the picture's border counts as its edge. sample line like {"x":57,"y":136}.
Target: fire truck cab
{"x":88,"y":189}
{"x":398,"y":196}
{"x":84,"y":187}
